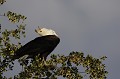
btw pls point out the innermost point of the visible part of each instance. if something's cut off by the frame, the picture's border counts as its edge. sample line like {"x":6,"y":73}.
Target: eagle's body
{"x":43,"y":45}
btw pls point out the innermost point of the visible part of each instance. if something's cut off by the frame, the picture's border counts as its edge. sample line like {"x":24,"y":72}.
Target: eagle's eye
{"x":40,"y":30}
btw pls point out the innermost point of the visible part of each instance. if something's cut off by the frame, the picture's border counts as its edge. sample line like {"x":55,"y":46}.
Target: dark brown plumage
{"x":43,"y":45}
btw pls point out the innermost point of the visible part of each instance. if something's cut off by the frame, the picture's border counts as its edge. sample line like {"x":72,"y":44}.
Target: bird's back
{"x":41,"y":45}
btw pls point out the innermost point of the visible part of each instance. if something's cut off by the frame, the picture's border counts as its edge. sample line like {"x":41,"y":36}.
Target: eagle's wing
{"x":39,"y":45}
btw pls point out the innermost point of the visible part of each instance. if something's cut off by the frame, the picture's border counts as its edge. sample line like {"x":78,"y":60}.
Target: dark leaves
{"x":2,"y":1}
{"x":14,"y":17}
{"x":66,"y":66}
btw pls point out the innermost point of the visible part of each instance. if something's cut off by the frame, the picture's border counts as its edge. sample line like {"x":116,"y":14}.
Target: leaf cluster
{"x":64,"y":66}
{"x":8,"y":46}
{"x":14,"y":17}
{"x":2,"y":2}
{"x":8,"y":35}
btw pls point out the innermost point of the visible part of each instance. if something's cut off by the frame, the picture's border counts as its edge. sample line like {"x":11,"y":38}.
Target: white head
{"x":44,"y":31}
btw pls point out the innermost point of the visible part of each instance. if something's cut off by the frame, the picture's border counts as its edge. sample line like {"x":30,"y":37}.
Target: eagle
{"x":42,"y":45}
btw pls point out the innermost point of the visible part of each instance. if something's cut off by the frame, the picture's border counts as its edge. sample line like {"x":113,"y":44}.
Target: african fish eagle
{"x":42,"y":45}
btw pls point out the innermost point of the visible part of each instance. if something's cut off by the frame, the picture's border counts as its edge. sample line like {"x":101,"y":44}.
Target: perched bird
{"x":42,"y":45}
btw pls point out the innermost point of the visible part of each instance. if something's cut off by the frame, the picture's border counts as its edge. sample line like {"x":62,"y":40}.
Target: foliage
{"x":7,"y":48}
{"x":65,"y":66}
{"x":2,"y":2}
{"x":14,"y":17}
{"x":69,"y":67}
{"x":7,"y":45}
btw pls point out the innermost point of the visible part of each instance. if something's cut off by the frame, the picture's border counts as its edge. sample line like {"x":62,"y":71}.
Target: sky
{"x":90,"y":26}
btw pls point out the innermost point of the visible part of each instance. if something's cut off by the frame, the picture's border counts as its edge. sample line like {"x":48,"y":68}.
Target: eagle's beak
{"x":36,"y":30}
{"x":39,"y":28}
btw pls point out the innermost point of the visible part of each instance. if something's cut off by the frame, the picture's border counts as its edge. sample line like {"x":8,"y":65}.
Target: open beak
{"x":39,"y":28}
{"x":36,"y":30}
